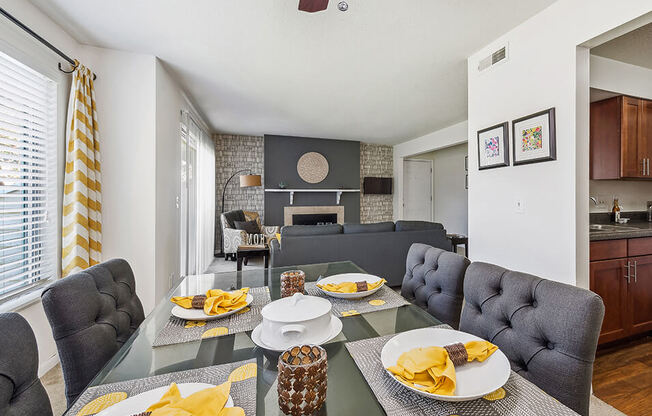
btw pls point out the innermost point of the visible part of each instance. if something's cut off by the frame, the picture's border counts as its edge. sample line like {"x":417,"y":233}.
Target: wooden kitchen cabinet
{"x":621,"y":138}
{"x":640,"y":295}
{"x":625,"y":286}
{"x":607,"y":280}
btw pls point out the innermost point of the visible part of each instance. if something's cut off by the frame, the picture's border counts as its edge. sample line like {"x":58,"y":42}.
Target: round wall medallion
{"x":312,"y":167}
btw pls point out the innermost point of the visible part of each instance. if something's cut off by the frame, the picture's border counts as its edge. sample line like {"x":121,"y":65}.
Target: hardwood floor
{"x":622,"y":377}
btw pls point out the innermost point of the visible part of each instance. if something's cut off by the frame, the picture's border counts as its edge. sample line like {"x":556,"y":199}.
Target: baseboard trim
{"x":48,"y":365}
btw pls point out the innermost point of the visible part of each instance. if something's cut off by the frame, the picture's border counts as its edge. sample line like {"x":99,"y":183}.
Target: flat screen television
{"x":372,"y":185}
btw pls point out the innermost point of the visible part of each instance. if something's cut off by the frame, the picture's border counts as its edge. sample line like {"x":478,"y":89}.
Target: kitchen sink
{"x":610,"y":228}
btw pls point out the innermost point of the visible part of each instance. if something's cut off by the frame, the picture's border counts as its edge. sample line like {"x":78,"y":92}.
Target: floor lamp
{"x":246,"y":181}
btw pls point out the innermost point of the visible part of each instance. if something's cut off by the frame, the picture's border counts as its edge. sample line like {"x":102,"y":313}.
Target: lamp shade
{"x":250,"y":180}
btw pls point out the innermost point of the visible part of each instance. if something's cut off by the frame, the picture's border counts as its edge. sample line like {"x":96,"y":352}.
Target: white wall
{"x":546,"y":239}
{"x":632,"y":195}
{"x":610,"y":75}
{"x":439,"y":139}
{"x":126,"y":109}
{"x":19,"y":45}
{"x":169,"y":102}
{"x":450,"y":199}
{"x":139,"y":111}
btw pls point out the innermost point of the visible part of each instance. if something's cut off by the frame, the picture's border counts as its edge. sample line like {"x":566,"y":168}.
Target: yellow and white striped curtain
{"x":82,"y":202}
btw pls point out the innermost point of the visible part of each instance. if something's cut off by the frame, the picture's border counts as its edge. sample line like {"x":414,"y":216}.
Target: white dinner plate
{"x":199,"y":315}
{"x":335,"y":329}
{"x":473,"y":380}
{"x":140,"y":402}
{"x":350,"y":277}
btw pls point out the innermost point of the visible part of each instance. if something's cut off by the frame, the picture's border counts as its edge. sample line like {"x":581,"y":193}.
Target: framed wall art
{"x":534,"y":138}
{"x":493,"y":146}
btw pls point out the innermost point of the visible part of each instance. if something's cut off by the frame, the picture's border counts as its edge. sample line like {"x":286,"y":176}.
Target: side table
{"x":459,"y":239}
{"x":246,"y":252}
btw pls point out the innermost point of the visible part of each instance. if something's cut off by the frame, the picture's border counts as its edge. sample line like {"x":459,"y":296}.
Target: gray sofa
{"x":379,"y":248}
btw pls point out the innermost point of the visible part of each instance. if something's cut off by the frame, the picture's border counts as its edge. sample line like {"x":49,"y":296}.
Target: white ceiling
{"x":634,"y":47}
{"x":385,"y":71}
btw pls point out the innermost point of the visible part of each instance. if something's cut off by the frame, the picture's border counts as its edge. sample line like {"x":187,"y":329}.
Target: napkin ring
{"x":198,"y":301}
{"x":361,"y":286}
{"x":457,"y":353}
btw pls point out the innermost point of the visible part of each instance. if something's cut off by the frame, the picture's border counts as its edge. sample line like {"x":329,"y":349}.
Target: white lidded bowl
{"x":298,"y":319}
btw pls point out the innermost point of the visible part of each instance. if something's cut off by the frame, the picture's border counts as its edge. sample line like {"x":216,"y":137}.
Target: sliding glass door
{"x":189,"y":139}
{"x":197,"y":199}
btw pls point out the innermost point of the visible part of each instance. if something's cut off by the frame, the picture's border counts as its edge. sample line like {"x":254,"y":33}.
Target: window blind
{"x":28,"y":177}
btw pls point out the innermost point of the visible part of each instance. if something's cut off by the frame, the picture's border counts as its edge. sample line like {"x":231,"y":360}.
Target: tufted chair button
{"x":508,"y":323}
{"x":534,"y":304}
{"x":500,"y":292}
{"x":550,"y":345}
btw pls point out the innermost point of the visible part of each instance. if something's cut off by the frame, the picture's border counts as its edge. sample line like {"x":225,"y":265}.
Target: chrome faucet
{"x":595,"y":201}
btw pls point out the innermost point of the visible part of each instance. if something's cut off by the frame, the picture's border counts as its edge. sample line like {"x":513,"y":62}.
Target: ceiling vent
{"x":498,"y":56}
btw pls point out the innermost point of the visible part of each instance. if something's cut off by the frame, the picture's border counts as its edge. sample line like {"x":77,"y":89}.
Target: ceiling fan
{"x":312,"y":6}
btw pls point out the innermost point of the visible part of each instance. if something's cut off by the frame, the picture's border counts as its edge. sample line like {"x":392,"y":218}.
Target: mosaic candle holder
{"x":302,"y":380}
{"x":292,"y":282}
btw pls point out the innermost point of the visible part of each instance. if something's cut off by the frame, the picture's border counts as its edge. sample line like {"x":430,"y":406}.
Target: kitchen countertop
{"x":633,"y":229}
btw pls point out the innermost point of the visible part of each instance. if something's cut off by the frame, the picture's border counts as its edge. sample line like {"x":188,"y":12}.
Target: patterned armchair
{"x":234,"y":238}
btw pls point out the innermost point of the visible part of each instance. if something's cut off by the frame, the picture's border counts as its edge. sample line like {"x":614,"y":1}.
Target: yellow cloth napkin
{"x":217,"y":301}
{"x":431,"y":370}
{"x":183,"y":301}
{"x":207,"y":402}
{"x":348,"y":287}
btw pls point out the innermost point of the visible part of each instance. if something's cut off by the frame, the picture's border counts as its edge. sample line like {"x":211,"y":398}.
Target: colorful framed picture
{"x":493,"y":146}
{"x":534,"y":138}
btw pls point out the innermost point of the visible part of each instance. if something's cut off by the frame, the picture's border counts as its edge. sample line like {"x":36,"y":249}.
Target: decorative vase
{"x":302,"y":380}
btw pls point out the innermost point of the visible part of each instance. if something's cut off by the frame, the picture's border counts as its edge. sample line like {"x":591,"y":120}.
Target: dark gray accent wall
{"x":281,"y":156}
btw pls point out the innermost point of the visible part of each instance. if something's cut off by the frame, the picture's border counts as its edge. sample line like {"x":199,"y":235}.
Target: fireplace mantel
{"x":335,"y":209}
{"x":338,"y":192}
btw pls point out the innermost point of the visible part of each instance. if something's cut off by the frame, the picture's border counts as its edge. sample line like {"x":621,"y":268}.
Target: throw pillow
{"x":251,"y":227}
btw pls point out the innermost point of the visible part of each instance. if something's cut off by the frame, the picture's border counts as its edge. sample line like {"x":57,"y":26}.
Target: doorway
{"x":417,"y":189}
{"x":615,"y":70}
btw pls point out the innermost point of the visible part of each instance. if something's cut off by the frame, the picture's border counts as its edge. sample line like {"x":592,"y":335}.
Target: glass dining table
{"x":348,"y":392}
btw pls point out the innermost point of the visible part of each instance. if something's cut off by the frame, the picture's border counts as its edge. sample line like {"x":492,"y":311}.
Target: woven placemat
{"x":385,"y":298}
{"x":517,"y":397}
{"x":178,"y":331}
{"x":243,"y":390}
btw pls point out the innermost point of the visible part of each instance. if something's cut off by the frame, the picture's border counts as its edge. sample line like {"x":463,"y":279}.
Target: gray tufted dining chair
{"x":548,"y":330}
{"x":21,"y":391}
{"x":433,"y":280}
{"x":92,"y":314}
